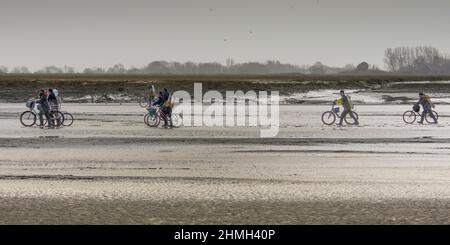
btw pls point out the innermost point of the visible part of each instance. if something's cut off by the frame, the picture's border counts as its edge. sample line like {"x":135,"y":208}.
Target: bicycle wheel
{"x":429,"y":119}
{"x":28,"y":119}
{"x":152,"y":120}
{"x":409,"y":117}
{"x":56,"y":117}
{"x":328,"y":118}
{"x":349,"y":120}
{"x":177,"y":120}
{"x":67,"y":120}
{"x":143,"y":102}
{"x":146,"y":118}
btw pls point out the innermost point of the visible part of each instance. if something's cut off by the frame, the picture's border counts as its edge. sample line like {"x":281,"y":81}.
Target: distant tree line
{"x":404,"y":60}
{"x":164,"y":67}
{"x":417,"y":60}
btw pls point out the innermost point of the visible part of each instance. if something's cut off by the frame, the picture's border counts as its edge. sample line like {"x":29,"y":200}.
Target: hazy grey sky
{"x":85,"y":33}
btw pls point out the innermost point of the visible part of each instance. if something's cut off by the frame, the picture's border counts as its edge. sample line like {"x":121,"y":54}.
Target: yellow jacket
{"x":168,"y":104}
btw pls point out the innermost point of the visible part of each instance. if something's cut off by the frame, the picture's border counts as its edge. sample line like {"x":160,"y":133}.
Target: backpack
{"x":350,"y":102}
{"x":168,"y":104}
{"x":427,"y":99}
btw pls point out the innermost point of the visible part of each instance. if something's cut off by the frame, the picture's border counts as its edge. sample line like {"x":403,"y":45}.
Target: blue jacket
{"x":159,"y":101}
{"x":165,"y":95}
{"x":43,"y":101}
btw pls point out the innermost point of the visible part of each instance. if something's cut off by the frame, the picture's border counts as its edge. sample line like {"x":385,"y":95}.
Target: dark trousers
{"x":167,"y":116}
{"x":425,"y":112}
{"x":55,"y":116}
{"x":344,"y":114}
{"x":47,"y":116}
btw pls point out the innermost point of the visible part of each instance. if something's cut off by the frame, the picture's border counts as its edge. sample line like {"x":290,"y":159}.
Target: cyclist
{"x":425,"y":102}
{"x":44,"y":109}
{"x":347,"y":104}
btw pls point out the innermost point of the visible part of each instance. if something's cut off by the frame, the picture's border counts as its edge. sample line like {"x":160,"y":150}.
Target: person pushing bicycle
{"x":166,"y":107}
{"x":44,"y":109}
{"x":347,"y":104}
{"x":427,"y":105}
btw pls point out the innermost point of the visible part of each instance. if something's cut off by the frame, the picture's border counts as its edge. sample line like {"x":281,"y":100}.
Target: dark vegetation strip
{"x":64,"y":142}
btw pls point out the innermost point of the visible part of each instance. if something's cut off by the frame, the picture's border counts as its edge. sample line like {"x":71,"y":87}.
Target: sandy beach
{"x":109,"y":168}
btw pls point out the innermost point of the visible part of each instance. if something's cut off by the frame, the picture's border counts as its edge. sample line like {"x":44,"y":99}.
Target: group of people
{"x":48,"y":106}
{"x":424,"y":101}
{"x":164,"y":101}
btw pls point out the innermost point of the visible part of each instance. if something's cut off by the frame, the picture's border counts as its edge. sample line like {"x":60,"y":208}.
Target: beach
{"x":110,"y":168}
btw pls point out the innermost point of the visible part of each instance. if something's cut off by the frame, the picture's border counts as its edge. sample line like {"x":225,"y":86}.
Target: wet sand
{"x":109,"y":168}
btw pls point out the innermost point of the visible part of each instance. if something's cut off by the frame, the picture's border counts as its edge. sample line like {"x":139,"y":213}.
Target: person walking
{"x":44,"y":109}
{"x":347,"y":104}
{"x":427,"y":105}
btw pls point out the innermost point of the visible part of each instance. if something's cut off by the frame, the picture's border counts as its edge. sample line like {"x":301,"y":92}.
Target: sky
{"x":86,"y":33}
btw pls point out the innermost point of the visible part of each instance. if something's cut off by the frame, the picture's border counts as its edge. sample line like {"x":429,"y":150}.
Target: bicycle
{"x":67,"y":117}
{"x":28,"y":118}
{"x":155,"y":115}
{"x":409,"y":117}
{"x":329,"y":117}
